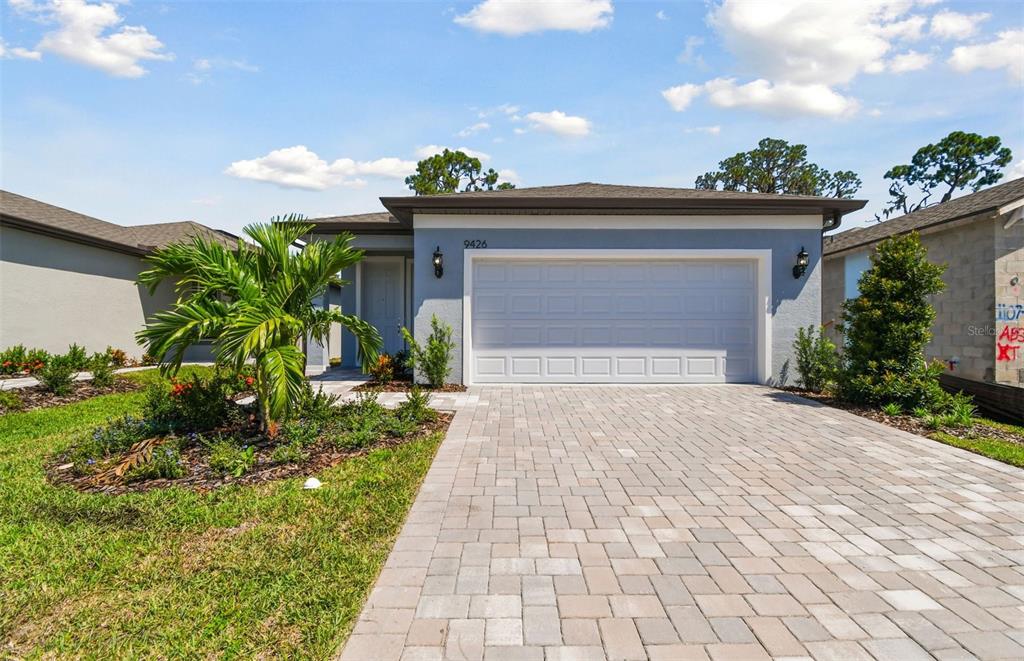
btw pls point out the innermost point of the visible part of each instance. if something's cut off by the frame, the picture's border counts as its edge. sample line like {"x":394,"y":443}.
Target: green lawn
{"x":991,"y":447}
{"x":270,"y":570}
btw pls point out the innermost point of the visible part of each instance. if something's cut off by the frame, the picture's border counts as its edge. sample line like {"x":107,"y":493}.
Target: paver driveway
{"x":694,"y":522}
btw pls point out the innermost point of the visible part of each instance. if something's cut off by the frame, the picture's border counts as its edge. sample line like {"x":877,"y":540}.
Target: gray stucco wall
{"x":55,"y":292}
{"x":795,"y":302}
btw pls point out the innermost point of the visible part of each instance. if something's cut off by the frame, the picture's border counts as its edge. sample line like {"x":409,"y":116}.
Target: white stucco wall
{"x":54,"y":292}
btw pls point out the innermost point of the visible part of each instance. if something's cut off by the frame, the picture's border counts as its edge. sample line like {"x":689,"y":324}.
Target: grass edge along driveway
{"x":269,"y":570}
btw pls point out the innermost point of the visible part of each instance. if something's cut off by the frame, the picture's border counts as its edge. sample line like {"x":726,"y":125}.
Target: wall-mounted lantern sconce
{"x":438,"y":262}
{"x":802,"y":260}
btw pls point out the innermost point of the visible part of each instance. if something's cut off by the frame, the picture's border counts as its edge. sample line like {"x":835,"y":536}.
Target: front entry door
{"x":383,"y":298}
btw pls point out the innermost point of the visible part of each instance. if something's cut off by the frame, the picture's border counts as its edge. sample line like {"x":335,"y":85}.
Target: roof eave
{"x":945,"y":221}
{"x":404,"y":207}
{"x":69,"y":235}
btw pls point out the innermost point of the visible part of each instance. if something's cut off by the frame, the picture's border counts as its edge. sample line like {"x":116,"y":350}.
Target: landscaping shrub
{"x":77,"y":356}
{"x":433,"y":360}
{"x":384,"y":369}
{"x":416,"y":407}
{"x":316,"y":405}
{"x":302,"y":432}
{"x":11,"y":400}
{"x":102,"y":370}
{"x":190,"y":405}
{"x":892,"y":408}
{"x":401,"y":362}
{"x":816,"y":359}
{"x":17,"y":360}
{"x":58,"y":375}
{"x":227,"y":458}
{"x":887,"y":327}
{"x":12,"y":359}
{"x":118,"y":357}
{"x":913,"y":387}
{"x":289,"y":453}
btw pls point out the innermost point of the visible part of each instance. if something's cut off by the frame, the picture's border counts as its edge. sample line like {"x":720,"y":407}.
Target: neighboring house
{"x":979,"y":326}
{"x":66,"y":277}
{"x":594,"y":283}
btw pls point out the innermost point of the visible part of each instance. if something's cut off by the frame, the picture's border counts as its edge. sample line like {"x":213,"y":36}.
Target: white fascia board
{"x":612,"y":221}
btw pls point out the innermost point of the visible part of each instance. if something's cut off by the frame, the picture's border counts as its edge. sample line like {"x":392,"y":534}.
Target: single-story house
{"x":66,"y":277}
{"x":979,"y":325}
{"x":591,"y":283}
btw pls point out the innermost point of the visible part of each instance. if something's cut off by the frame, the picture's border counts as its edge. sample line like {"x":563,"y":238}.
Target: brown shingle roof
{"x":591,"y":196}
{"x":27,"y":213}
{"x":987,"y":200}
{"x":159,"y":235}
{"x":380,"y":221}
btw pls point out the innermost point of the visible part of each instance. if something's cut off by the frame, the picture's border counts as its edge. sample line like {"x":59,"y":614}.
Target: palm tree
{"x":255,"y":303}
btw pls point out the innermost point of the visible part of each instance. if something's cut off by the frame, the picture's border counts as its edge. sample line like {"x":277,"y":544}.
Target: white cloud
{"x":475,"y":128}
{"x":1016,"y":170}
{"x":509,"y":175}
{"x":558,"y":122}
{"x":1006,"y":52}
{"x":427,"y":151}
{"x":953,"y":25}
{"x":298,"y":167}
{"x":779,"y":98}
{"x":514,"y":17}
{"x":681,"y":96}
{"x":807,"y":41}
{"x":909,"y":61}
{"x":17,"y":52}
{"x":661,"y":15}
{"x":689,"y":54}
{"x":761,"y":95}
{"x":710,"y":130}
{"x":91,"y":34}
{"x":800,"y":51}
{"x":504,"y":109}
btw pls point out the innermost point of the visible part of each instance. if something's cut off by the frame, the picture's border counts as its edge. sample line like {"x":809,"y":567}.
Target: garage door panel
{"x":613,"y":321}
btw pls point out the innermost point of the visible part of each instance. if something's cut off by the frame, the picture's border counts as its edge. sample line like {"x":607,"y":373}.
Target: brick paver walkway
{"x":697,"y":522}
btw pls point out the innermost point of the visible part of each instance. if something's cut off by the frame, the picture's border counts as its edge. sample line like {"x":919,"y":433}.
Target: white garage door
{"x":621,"y":321}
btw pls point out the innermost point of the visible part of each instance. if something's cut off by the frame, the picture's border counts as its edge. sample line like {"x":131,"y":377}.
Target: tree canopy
{"x":960,"y":160}
{"x":453,"y":172}
{"x":775,"y":166}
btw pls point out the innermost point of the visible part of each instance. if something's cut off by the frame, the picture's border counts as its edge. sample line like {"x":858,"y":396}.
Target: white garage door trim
{"x":764,"y":287}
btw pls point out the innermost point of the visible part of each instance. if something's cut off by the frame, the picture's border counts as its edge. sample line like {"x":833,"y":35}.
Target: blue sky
{"x":231,"y":112}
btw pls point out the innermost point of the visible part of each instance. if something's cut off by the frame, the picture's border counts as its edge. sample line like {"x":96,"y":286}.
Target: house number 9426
{"x":474,"y":243}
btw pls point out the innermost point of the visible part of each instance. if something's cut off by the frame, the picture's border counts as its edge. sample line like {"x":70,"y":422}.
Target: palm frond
{"x":171,"y":332}
{"x":367,"y":337}
{"x":254,"y":330}
{"x":282,"y":369}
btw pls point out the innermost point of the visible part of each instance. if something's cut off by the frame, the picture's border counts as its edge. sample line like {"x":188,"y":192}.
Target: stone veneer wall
{"x":1009,"y":298}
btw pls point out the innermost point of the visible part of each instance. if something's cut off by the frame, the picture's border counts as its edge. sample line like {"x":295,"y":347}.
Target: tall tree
{"x":255,"y":303}
{"x":453,"y":172}
{"x":960,"y":160}
{"x":775,"y":166}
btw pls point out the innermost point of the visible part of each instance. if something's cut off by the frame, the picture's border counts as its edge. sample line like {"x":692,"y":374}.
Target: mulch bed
{"x":201,"y":478}
{"x":37,"y":397}
{"x":404,"y":384}
{"x":909,"y":423}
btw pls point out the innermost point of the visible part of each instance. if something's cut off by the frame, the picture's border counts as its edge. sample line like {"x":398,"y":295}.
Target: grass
{"x":268,"y":571}
{"x":987,"y":446}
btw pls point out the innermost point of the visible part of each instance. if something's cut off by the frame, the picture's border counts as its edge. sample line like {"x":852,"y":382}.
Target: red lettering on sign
{"x":1012,"y":334}
{"x":1007,"y":352}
